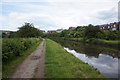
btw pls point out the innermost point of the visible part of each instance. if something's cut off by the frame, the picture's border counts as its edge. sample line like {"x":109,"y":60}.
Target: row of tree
{"x":25,"y":31}
{"x":87,"y":32}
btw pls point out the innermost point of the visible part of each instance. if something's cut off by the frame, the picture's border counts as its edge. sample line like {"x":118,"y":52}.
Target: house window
{"x":113,"y":28}
{"x":114,"y":25}
{"x":108,"y":26}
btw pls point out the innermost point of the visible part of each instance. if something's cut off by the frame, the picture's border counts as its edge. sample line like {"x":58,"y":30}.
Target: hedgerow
{"x":16,"y":46}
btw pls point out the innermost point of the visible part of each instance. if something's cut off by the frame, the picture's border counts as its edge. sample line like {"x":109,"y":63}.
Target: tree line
{"x":87,"y":32}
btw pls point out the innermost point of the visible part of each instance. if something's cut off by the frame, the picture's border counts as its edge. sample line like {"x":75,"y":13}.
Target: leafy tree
{"x":100,"y":35}
{"x":28,"y":30}
{"x":13,"y":35}
{"x":91,"y":31}
{"x":4,"y":35}
{"x":111,"y":35}
{"x":79,"y":31}
{"x":87,"y":32}
{"x":64,"y":33}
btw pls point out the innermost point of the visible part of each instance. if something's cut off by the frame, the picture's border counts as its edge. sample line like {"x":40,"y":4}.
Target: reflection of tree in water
{"x":88,"y":49}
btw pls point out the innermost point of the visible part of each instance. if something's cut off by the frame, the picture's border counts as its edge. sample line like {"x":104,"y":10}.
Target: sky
{"x":56,"y":14}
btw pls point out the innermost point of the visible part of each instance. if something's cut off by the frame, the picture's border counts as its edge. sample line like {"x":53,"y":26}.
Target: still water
{"x":105,"y":59}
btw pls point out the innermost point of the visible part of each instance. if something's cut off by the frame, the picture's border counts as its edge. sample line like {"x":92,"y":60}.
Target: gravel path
{"x":33,"y":65}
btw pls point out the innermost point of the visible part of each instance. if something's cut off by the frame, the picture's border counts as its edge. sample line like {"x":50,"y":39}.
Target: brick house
{"x":51,"y":31}
{"x":71,"y":28}
{"x":111,"y":26}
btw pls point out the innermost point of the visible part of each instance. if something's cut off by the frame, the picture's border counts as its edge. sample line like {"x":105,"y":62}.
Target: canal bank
{"x":61,"y":64}
{"x":105,"y":59}
{"x":107,"y":43}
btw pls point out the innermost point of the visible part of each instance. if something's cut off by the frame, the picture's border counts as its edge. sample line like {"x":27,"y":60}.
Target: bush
{"x":14,"y":47}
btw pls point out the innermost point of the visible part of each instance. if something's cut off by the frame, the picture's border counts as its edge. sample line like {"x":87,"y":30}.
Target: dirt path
{"x":33,"y":65}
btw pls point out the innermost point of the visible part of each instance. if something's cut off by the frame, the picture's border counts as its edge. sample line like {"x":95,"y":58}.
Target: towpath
{"x":33,"y":66}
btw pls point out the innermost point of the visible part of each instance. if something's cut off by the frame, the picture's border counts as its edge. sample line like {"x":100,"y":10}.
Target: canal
{"x":105,"y":59}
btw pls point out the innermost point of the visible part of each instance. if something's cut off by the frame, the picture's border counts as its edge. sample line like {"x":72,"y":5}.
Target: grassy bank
{"x":93,"y":40}
{"x":110,"y":43}
{"x":9,"y":67}
{"x":102,"y":42}
{"x":61,"y":64}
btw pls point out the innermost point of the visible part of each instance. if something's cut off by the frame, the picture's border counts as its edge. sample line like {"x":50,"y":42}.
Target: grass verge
{"x":36,"y":70}
{"x":93,"y":40}
{"x":10,"y":67}
{"x":61,"y":64}
{"x":102,"y":42}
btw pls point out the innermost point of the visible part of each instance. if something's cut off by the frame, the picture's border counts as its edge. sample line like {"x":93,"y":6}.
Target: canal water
{"x":105,"y":59}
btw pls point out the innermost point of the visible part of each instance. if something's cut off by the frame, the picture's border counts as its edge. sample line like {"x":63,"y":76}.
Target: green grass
{"x":10,"y":67}
{"x":61,"y":64}
{"x":36,"y":70}
{"x":110,"y":41}
{"x":93,"y":40}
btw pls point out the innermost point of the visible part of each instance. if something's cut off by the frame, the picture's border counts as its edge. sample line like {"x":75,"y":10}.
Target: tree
{"x":79,"y":31}
{"x":4,"y":35}
{"x":64,"y":33}
{"x":28,"y":30}
{"x":91,"y":31}
{"x":100,"y":35}
{"x":111,"y":35}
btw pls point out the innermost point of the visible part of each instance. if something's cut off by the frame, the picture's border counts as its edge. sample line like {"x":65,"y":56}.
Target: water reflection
{"x":89,"y":49}
{"x":104,"y":63}
{"x":105,"y":59}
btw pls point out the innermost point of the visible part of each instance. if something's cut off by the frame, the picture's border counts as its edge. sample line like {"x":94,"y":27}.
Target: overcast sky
{"x":56,"y":14}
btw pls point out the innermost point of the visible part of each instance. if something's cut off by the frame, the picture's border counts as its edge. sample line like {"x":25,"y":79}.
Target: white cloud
{"x":119,"y":11}
{"x":59,"y":0}
{"x":54,"y":14}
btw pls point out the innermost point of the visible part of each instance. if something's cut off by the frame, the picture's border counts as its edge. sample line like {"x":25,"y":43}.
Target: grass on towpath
{"x":61,"y":64}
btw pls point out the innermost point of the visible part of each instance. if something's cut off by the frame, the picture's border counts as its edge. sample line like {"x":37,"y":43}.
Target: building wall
{"x":71,"y":28}
{"x":51,"y":31}
{"x":115,"y":26}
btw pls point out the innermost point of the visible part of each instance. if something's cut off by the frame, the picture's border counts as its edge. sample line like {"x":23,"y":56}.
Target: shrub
{"x":15,"y":47}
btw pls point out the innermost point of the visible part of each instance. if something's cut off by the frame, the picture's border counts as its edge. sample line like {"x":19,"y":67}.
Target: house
{"x":115,"y":26}
{"x":111,"y":26}
{"x":43,"y":31}
{"x":118,"y":25}
{"x":71,"y":28}
{"x":59,"y":30}
{"x":51,"y":31}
